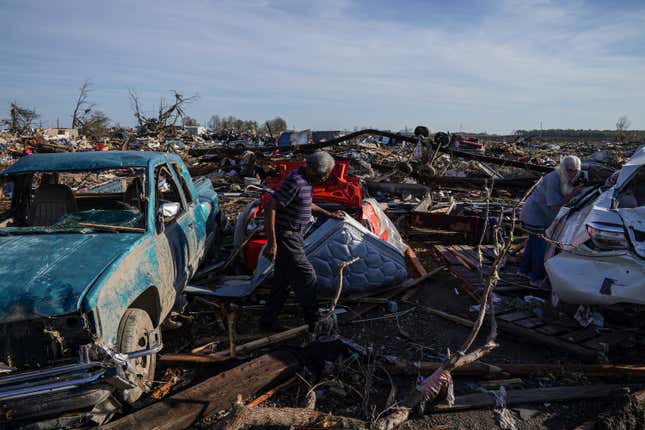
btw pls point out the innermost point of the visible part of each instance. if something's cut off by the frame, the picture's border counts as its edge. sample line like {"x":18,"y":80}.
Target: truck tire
{"x":137,"y":332}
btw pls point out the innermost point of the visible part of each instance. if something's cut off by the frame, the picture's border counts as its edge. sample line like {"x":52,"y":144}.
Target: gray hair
{"x":570,"y":162}
{"x":321,"y":162}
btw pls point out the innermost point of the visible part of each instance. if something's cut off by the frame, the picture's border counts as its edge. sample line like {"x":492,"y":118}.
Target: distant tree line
{"x":232,"y":124}
{"x":557,"y":133}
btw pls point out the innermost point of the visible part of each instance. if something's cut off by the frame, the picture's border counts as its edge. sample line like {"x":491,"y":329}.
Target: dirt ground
{"x":419,"y":335}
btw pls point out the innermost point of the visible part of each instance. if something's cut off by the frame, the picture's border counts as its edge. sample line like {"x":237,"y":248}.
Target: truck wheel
{"x":136,"y":332}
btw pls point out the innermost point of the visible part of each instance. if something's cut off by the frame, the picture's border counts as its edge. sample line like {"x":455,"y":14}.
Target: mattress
{"x":335,"y":241}
{"x":381,"y":263}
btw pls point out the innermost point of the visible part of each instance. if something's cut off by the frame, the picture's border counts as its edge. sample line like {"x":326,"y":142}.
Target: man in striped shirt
{"x":286,"y":216}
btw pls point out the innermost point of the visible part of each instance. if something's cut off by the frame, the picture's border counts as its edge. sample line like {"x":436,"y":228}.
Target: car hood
{"x":47,"y":274}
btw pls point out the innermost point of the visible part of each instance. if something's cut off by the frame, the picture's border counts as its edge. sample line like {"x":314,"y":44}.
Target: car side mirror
{"x":168,"y":211}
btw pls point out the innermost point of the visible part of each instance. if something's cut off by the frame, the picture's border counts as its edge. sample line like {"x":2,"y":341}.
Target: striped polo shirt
{"x":294,"y":202}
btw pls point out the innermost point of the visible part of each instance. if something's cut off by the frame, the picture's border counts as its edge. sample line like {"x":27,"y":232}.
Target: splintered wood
{"x":220,"y":392}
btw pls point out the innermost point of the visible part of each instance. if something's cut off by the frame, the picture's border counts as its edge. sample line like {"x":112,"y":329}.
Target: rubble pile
{"x":426,"y":319}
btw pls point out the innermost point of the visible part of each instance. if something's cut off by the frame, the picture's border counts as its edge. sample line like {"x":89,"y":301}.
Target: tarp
{"x":296,"y":138}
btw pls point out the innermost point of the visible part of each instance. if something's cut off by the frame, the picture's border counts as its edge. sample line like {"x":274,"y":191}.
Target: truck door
{"x":176,"y":227}
{"x":197,"y":225}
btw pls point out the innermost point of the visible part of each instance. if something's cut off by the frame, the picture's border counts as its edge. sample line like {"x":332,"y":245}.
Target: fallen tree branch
{"x":241,"y":417}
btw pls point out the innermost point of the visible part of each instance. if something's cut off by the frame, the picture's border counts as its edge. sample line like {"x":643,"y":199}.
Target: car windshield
{"x":112,"y":200}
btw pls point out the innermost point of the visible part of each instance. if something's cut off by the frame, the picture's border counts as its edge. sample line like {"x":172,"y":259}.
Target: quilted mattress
{"x":381,"y":263}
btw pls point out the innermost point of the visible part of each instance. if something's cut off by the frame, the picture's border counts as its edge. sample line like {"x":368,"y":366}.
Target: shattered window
{"x":633,"y":194}
{"x":184,"y":185}
{"x":59,"y":202}
{"x":168,"y":192}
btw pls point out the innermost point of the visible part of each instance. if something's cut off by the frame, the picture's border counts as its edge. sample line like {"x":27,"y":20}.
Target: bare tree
{"x":134,"y":104}
{"x":623,"y":123}
{"x":83,"y":107}
{"x":275,"y":126}
{"x":20,"y":118}
{"x":188,"y":121}
{"x":214,"y":123}
{"x":96,"y":125}
{"x":88,"y":121}
{"x":167,"y":115}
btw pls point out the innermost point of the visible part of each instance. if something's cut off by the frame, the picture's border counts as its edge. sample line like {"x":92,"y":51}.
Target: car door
{"x":194,"y":221}
{"x":176,"y":230}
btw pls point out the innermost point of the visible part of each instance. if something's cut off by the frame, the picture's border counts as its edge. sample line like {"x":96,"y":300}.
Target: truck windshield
{"x":111,"y":200}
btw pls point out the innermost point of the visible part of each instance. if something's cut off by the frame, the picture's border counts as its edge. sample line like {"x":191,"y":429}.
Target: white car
{"x":601,"y":257}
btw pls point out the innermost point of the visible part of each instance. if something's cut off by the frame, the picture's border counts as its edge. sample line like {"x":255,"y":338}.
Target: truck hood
{"x":43,"y":275}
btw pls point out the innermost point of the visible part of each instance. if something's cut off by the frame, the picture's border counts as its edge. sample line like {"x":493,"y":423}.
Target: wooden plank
{"x":534,"y":395}
{"x":471,"y":252}
{"x":551,"y":329}
{"x":449,"y":257}
{"x":580,"y":335}
{"x":414,"y":261}
{"x":606,"y":341}
{"x":481,"y":369}
{"x":514,"y":316}
{"x":455,"y":252}
{"x":182,"y":409}
{"x":523,"y":334}
{"x":530,"y":323}
{"x":409,"y":283}
{"x":261,"y":343}
{"x":468,"y":254}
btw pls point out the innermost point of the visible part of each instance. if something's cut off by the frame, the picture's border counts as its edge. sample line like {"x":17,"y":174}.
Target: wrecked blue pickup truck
{"x":95,"y":250}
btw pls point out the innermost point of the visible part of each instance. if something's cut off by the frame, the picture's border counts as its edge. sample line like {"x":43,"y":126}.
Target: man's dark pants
{"x":532,"y":262}
{"x":292,"y":269}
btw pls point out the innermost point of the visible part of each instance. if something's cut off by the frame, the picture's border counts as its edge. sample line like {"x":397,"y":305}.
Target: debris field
{"x":426,"y":321}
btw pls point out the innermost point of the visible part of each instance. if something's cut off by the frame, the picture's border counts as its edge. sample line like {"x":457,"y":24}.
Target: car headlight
{"x":607,"y":236}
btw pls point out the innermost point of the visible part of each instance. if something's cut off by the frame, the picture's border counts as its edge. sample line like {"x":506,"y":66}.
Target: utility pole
{"x":57,"y":122}
{"x":540,"y":129}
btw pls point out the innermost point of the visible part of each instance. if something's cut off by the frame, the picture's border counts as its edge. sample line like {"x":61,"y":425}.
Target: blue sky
{"x":491,"y":66}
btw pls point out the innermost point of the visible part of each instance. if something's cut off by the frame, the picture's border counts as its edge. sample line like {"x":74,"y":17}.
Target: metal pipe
{"x":144,"y":352}
{"x":45,"y":388}
{"x":38,"y":374}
